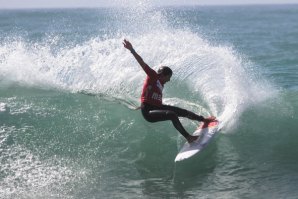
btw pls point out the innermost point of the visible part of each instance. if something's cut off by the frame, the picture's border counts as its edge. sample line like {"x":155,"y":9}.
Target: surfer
{"x":153,"y":110}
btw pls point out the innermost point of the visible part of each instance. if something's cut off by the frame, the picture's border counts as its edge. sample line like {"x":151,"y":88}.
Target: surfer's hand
{"x":209,"y":119}
{"x":127,"y":44}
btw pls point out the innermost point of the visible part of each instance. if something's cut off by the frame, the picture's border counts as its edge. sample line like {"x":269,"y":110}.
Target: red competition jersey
{"x":152,"y":88}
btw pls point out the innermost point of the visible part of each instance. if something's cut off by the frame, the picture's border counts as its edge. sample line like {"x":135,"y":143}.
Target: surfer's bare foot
{"x":192,"y":138}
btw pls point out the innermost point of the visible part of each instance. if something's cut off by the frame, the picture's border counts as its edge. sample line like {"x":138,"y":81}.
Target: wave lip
{"x":220,"y":79}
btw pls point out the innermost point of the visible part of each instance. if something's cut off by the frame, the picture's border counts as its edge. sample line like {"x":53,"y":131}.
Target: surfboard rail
{"x":206,"y":131}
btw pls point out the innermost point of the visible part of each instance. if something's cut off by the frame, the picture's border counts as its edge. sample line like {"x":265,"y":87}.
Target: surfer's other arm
{"x":149,"y":71}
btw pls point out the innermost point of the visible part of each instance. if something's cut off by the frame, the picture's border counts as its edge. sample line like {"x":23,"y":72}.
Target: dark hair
{"x":164,"y":70}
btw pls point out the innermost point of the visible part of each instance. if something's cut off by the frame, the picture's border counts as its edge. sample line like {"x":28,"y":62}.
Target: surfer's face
{"x":165,"y":78}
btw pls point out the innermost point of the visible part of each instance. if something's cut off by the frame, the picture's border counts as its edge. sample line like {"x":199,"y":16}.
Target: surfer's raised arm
{"x":149,"y":71}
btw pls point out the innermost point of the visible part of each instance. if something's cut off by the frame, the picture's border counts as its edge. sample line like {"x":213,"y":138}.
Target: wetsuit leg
{"x":163,"y":113}
{"x":183,"y":113}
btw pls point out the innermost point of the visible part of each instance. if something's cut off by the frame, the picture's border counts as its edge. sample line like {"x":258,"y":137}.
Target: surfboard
{"x":206,"y":131}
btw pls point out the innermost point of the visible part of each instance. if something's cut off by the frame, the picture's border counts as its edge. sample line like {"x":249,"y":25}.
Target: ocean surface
{"x":69,"y":89}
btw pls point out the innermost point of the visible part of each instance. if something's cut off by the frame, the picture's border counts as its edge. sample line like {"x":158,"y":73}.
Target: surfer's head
{"x":165,"y":73}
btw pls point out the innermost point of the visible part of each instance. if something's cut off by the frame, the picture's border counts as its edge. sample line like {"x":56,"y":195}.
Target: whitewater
{"x":69,"y":90}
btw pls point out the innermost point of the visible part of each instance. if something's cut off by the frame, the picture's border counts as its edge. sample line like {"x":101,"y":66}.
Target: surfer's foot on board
{"x":191,"y":138}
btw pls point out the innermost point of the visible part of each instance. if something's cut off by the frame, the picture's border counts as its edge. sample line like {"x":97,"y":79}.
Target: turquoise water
{"x":68,"y":93}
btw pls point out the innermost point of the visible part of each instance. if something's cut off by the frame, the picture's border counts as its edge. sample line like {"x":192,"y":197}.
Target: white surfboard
{"x":206,"y":131}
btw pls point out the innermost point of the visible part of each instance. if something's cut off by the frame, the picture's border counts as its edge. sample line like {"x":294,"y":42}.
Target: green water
{"x":68,"y":89}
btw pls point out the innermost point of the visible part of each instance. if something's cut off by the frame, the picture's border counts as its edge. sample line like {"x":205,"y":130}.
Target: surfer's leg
{"x":164,"y":115}
{"x":183,"y":113}
{"x":154,"y":114}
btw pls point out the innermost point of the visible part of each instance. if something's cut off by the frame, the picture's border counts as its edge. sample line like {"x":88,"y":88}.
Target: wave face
{"x":69,"y":89}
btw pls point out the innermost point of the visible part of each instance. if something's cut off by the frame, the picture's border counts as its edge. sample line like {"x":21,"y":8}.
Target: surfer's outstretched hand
{"x":127,"y":44}
{"x":209,"y":119}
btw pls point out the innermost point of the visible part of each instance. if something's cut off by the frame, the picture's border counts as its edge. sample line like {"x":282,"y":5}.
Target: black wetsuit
{"x":165,"y":112}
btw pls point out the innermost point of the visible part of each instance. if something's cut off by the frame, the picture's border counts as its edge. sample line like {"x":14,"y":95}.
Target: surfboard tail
{"x":206,"y":131}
